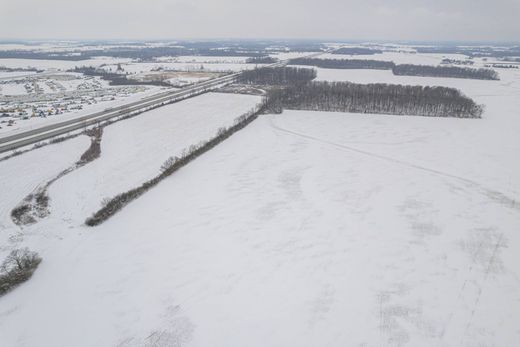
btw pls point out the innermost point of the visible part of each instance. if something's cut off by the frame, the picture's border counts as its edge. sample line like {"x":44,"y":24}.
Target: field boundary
{"x":172,"y":164}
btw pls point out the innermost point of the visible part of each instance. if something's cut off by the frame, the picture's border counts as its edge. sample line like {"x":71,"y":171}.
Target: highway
{"x":25,"y":138}
{"x":12,"y":142}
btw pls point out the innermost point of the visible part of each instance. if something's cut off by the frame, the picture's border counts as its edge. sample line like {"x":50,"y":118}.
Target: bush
{"x":171,"y":165}
{"x":168,"y":163}
{"x":402,"y":69}
{"x":17,"y":268}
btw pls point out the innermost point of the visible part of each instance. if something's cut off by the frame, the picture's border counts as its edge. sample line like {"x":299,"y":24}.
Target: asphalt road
{"x":21,"y":139}
{"x":25,"y":138}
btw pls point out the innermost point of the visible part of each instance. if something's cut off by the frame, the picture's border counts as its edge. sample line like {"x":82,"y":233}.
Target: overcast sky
{"x":475,"y":20}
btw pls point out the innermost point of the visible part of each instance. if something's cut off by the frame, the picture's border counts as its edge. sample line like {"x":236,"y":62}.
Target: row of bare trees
{"x":277,"y":76}
{"x":445,"y":71}
{"x":17,"y":268}
{"x":344,"y":63}
{"x":357,"y":51}
{"x":374,"y":98}
{"x":401,"y":69}
{"x":113,"y":205}
{"x":261,"y":60}
{"x":292,"y":88}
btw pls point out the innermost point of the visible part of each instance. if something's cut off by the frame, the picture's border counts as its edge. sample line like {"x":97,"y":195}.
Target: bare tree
{"x":17,"y":268}
{"x":445,"y":71}
{"x":374,"y":98}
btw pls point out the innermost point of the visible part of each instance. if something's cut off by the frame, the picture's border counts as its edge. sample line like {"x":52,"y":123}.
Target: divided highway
{"x":12,"y":142}
{"x":25,"y":138}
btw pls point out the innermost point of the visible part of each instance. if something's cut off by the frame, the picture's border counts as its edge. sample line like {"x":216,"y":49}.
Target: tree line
{"x":343,"y":63}
{"x":400,"y":70}
{"x":261,"y":60}
{"x":457,"y":61}
{"x":503,"y":66}
{"x":277,"y":76}
{"x":475,"y":51}
{"x":139,"y":53}
{"x":292,"y":88}
{"x":376,"y":98}
{"x":357,"y":51}
{"x":445,"y":71}
{"x":170,"y":166}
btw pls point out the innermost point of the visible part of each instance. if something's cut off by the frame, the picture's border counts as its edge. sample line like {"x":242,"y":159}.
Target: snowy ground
{"x":208,"y":66}
{"x":400,"y":57}
{"x":203,"y":59}
{"x":303,"y":229}
{"x":290,"y":55}
{"x":288,"y":234}
{"x":5,"y":75}
{"x":21,"y":175}
{"x":483,"y":91}
{"x":59,"y":65}
{"x":134,"y":150}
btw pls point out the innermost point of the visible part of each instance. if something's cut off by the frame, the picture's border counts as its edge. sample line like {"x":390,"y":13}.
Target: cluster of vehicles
{"x":41,"y":96}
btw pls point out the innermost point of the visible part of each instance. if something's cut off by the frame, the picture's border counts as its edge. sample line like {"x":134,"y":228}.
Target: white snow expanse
{"x":303,"y":229}
{"x":134,"y":150}
{"x":21,"y":175}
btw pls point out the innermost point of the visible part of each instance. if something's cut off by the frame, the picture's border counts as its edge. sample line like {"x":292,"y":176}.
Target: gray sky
{"x":476,"y":20}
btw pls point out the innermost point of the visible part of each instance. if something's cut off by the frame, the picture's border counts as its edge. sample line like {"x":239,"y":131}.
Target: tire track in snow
{"x":491,"y":262}
{"x":494,"y":195}
{"x":497,"y":196}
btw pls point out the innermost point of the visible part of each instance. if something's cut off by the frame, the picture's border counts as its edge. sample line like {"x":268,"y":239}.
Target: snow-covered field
{"x":10,"y":74}
{"x":21,"y":175}
{"x":386,"y":76}
{"x":400,"y":57}
{"x":62,"y":82}
{"x":303,"y":229}
{"x":60,"y":65}
{"x":204,"y":59}
{"x":81,"y":98}
{"x":134,"y":150}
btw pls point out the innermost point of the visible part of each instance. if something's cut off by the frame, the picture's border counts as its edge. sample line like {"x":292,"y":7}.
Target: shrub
{"x":172,"y":164}
{"x":168,"y":163}
{"x":17,"y":268}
